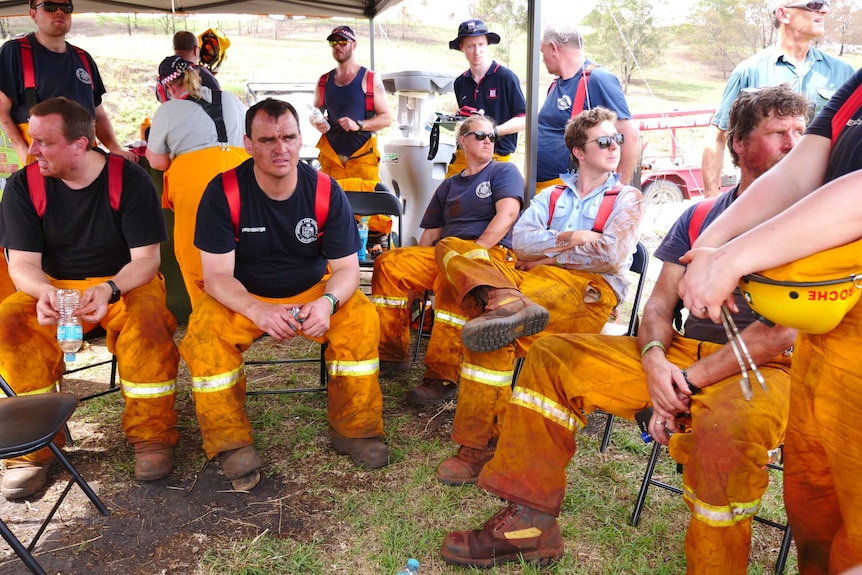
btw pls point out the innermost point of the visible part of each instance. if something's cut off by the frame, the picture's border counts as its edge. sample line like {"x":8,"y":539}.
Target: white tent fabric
{"x":345,"y":8}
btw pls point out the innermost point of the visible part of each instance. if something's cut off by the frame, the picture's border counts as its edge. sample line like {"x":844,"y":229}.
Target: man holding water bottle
{"x":79,"y":218}
{"x":291,"y":244}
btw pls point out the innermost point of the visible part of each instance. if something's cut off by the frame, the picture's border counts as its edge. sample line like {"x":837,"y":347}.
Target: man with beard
{"x":566,"y":377}
{"x":355,"y":104}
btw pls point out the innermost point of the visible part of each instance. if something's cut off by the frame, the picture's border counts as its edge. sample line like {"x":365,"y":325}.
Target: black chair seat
{"x":29,"y":422}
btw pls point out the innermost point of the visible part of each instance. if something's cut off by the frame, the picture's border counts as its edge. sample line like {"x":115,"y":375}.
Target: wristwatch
{"x":333,"y":301}
{"x":115,"y":292}
{"x":360,"y":123}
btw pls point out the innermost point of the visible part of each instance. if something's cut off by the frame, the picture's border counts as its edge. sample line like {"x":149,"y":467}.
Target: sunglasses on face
{"x":52,"y":7}
{"x":482,"y":135}
{"x":814,"y":6}
{"x":335,"y":43}
{"x":604,"y":142}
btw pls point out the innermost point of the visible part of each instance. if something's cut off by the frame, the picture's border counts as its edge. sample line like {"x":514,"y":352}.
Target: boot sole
{"x":424,"y":402}
{"x":495,"y":334}
{"x":531,"y":558}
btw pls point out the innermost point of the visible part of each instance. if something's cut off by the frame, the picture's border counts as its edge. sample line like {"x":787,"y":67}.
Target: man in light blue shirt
{"x":792,"y":60}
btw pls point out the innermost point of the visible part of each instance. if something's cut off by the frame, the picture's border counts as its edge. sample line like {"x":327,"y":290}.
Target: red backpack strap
{"x":845,"y":112}
{"x":322,"y":195}
{"x":695,"y":224}
{"x":606,"y":207}
{"x":581,"y":92}
{"x":552,"y":202}
{"x":115,"y":180}
{"x":231,"y":192}
{"x":321,"y":86}
{"x":36,"y":186}
{"x":28,"y":71}
{"x":369,"y":94}
{"x":86,"y":63}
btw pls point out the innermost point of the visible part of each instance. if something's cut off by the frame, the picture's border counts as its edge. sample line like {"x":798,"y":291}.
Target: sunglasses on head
{"x":335,"y":43}
{"x":813,"y":6}
{"x":52,"y":7}
{"x":482,"y":135}
{"x":604,"y":142}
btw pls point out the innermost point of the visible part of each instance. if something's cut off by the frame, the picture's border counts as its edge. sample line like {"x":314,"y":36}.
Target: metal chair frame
{"x":784,"y":549}
{"x":324,"y":375}
{"x":373,"y":203}
{"x":55,"y":410}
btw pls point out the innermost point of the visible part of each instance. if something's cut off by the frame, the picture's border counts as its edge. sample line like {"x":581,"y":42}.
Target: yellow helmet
{"x":811,"y":294}
{"x":213,"y":49}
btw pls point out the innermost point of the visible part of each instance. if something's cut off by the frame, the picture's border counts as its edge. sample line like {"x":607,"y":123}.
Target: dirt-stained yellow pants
{"x":459,"y":162}
{"x":217,"y":338}
{"x":566,"y":377}
{"x":140,"y":332}
{"x":823,"y":449}
{"x":362,"y":164}
{"x":577,"y":302}
{"x":184,"y":184}
{"x":402,"y":270}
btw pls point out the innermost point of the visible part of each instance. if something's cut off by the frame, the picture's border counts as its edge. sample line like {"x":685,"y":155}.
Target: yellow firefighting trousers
{"x":486,"y":378}
{"x":362,"y":164}
{"x":140,"y":332}
{"x":566,"y":377}
{"x":217,"y":338}
{"x":414,"y":269}
{"x":459,"y":162}
{"x":823,"y":449}
{"x":184,"y":184}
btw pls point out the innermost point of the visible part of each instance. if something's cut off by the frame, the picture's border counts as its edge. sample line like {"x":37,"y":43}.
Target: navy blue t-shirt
{"x":676,"y":243}
{"x":464,"y":205}
{"x":603,"y":89}
{"x":56,"y":75}
{"x":278,"y":254}
{"x":499,"y":94}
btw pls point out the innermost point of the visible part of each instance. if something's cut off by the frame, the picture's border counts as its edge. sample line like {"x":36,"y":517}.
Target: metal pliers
{"x":742,"y":355}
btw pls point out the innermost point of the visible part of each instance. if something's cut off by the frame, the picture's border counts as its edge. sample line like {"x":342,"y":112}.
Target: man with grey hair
{"x":578,"y":85}
{"x":792,"y":60}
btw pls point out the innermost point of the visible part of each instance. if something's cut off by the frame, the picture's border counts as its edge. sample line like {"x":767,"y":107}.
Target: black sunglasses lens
{"x":52,"y":7}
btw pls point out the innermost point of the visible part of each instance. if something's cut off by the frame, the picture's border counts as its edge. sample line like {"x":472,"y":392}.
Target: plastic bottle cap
{"x":413,"y":564}
{"x":69,"y":357}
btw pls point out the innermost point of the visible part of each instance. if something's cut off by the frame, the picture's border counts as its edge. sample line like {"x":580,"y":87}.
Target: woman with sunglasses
{"x":196,"y":134}
{"x":792,"y":60}
{"x":571,"y":273}
{"x":479,"y":204}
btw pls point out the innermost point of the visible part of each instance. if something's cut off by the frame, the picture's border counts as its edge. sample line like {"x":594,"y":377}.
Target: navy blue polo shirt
{"x":499,"y":94}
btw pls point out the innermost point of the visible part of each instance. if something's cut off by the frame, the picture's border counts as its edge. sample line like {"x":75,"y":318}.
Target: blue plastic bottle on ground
{"x":362,"y":226}
{"x":412,"y":568}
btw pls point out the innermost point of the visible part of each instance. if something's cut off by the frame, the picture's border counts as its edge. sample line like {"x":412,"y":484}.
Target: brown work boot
{"x":24,"y":478}
{"x":367,"y":452}
{"x":464,"y":467}
{"x":431,"y":392}
{"x":513,"y":532}
{"x":390,"y":368}
{"x":508,"y":315}
{"x":153,"y":461}
{"x":241,"y":467}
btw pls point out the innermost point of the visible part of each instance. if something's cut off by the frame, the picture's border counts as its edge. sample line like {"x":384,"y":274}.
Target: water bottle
{"x":317,"y":117}
{"x":70,"y":333}
{"x":412,"y":568}
{"x":362,"y":226}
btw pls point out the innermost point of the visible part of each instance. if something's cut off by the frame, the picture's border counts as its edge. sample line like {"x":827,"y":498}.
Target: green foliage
{"x":506,"y":17}
{"x":625,"y":38}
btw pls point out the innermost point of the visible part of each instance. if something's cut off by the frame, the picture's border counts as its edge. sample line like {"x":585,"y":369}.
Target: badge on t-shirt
{"x":483,"y":190}
{"x":306,"y":230}
{"x":564,"y":102}
{"x":492,"y":93}
{"x":83,"y":76}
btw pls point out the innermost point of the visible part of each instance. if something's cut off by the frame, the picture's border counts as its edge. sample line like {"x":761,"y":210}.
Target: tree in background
{"x":506,"y":17}
{"x":844,"y":26}
{"x":624,"y":37}
{"x":725,"y":32}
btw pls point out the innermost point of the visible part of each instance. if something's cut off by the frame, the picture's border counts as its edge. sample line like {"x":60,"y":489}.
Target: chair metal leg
{"x":647,"y":480}
{"x":606,"y":438}
{"x":783,"y":551}
{"x":78,"y":478}
{"x":423,"y":309}
{"x":20,"y":550}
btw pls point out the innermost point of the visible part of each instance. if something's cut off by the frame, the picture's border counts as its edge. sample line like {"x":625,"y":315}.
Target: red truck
{"x":669,"y":178}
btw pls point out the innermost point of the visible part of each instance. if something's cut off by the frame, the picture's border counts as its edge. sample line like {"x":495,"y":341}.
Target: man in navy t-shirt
{"x":267,"y":232}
